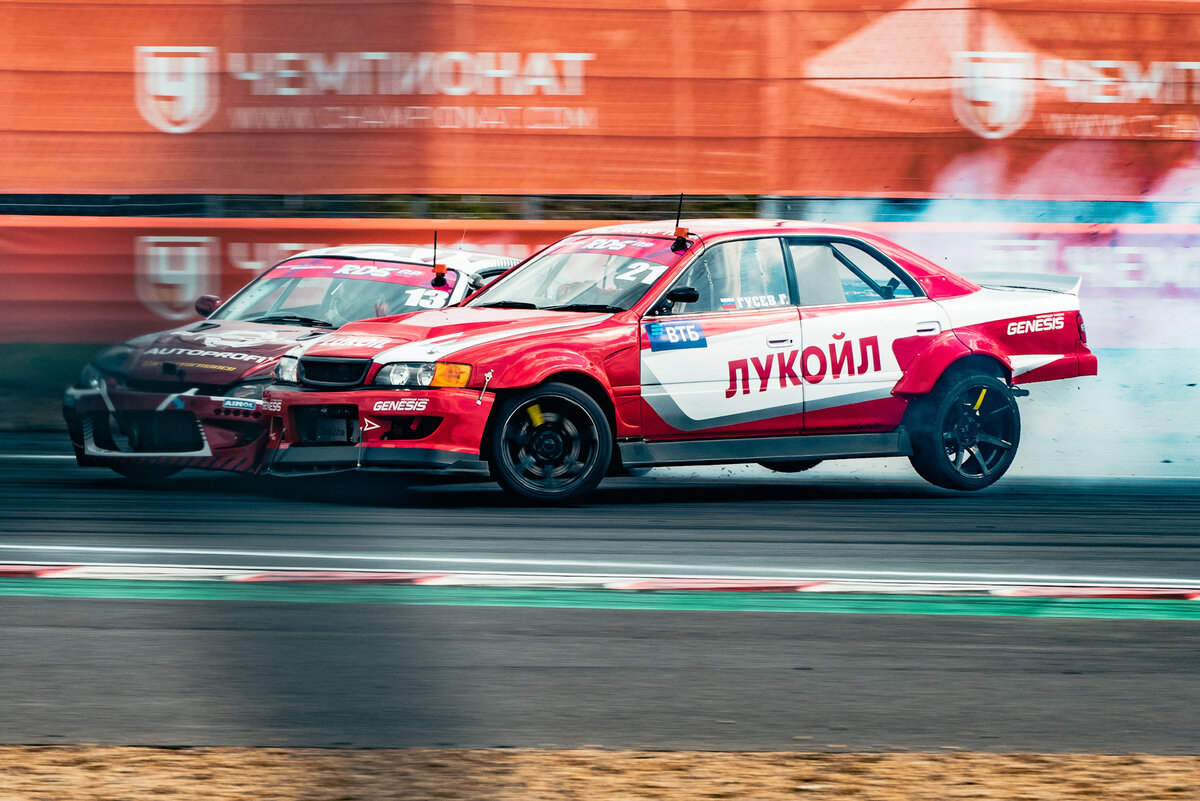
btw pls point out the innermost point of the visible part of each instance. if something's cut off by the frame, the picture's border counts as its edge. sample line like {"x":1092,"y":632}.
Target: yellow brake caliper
{"x":535,"y":414}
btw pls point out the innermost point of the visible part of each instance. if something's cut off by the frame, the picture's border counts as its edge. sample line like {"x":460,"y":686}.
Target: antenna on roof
{"x":681,"y":234}
{"x":439,"y":270}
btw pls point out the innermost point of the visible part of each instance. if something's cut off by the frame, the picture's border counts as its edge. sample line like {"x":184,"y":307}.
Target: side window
{"x":873,"y":281}
{"x":835,"y":272}
{"x":747,"y":274}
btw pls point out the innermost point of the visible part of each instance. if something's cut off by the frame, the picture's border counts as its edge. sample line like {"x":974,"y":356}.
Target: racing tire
{"x":965,"y":434}
{"x":551,"y":444}
{"x":145,"y":473}
{"x":797,"y":466}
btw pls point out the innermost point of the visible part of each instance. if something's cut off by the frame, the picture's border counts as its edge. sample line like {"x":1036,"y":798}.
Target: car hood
{"x":216,"y":352}
{"x":434,"y":335}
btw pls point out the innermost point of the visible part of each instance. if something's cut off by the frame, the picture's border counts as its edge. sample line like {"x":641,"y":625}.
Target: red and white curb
{"x":587,"y":581}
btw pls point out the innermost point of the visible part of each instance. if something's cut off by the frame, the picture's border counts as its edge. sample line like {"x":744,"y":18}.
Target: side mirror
{"x":683,"y":294}
{"x":207,"y":304}
{"x":680,"y":294}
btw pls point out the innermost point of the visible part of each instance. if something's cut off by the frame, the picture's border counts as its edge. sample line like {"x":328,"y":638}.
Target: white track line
{"x":16,"y":457}
{"x":634,"y":568}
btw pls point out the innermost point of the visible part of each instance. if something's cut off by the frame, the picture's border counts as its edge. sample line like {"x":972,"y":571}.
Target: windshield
{"x":589,"y":273}
{"x":327,"y":292}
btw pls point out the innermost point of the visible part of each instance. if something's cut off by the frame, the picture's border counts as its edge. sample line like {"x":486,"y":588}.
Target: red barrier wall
{"x":1041,"y":99}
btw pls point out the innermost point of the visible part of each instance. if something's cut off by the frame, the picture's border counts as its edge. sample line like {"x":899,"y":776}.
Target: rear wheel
{"x":551,"y":443}
{"x":965,"y":434}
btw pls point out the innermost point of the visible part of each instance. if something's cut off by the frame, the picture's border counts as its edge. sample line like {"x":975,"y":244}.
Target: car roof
{"x":457,"y":258}
{"x":729,"y":227}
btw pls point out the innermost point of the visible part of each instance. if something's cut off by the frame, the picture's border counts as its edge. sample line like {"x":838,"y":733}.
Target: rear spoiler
{"x":1067,"y":284}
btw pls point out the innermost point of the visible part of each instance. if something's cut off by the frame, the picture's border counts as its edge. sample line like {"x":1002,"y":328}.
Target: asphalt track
{"x":175,"y":671}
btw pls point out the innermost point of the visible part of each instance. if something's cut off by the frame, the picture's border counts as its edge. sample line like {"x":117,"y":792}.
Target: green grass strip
{"x":1109,"y":608}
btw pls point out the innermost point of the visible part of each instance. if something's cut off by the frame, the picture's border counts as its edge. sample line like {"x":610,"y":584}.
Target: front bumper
{"x":114,"y":426}
{"x":424,"y":431}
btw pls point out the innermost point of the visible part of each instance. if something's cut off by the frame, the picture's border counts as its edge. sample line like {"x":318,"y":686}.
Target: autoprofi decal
{"x":676,"y":335}
{"x":212,"y":354}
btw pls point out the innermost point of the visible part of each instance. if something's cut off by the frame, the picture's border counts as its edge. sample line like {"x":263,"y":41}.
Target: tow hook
{"x":1019,"y":393}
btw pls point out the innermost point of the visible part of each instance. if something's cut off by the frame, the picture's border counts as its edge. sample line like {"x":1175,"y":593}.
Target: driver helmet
{"x":355,"y":300}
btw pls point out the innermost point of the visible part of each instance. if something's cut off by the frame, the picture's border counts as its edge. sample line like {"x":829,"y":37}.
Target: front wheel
{"x":551,"y":443}
{"x":965,"y":435}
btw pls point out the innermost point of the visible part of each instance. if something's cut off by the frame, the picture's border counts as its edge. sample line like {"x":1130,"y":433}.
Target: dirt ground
{"x":89,"y":773}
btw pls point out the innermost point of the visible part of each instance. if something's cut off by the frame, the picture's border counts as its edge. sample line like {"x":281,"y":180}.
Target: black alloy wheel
{"x":552,"y":443}
{"x":966,"y":433}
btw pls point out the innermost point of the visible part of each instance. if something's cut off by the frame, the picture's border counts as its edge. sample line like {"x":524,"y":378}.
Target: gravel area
{"x":106,"y":773}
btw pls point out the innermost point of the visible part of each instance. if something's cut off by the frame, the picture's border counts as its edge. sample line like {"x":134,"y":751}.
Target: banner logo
{"x":172,"y":271}
{"x":177,"y":86}
{"x":993,"y":92}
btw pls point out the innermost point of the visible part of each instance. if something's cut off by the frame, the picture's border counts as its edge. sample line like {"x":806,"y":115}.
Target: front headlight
{"x":250,"y":390}
{"x":423,"y":374}
{"x":288,"y":369}
{"x":90,"y":378}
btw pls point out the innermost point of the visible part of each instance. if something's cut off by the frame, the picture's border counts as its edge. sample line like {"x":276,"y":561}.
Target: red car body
{"x":192,"y":396}
{"x":803,"y":342}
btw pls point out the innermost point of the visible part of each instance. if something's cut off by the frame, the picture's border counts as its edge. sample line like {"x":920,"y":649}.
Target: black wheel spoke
{"x":980,"y":460}
{"x":547,"y":476}
{"x":992,"y":439}
{"x":960,"y":458}
{"x":525,"y":462}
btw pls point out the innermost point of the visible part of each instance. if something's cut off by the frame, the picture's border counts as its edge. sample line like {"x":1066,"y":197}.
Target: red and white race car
{"x":777,"y":342}
{"x":192,"y":396}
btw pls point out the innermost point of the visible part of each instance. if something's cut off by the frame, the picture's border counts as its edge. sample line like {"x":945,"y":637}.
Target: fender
{"x":536,"y":365}
{"x":931,"y":362}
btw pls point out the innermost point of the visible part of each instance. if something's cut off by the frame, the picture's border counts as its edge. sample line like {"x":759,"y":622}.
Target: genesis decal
{"x":402,"y":405}
{"x":1045,"y":322}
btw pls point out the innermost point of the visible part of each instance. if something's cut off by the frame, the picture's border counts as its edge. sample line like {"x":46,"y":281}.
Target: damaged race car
{"x":774,"y":342}
{"x":192,"y":396}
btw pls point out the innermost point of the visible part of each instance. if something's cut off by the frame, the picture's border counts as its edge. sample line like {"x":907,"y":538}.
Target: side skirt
{"x":763,"y":449}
